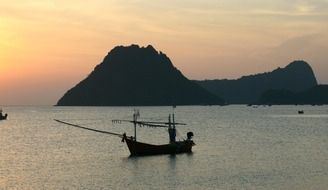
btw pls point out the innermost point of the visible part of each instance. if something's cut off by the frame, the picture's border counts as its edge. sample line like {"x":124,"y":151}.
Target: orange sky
{"x":47,"y":46}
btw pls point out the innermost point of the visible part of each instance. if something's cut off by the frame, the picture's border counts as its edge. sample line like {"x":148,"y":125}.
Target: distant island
{"x":142,"y":76}
{"x":317,"y":95}
{"x":137,"y":76}
{"x":296,"y":77}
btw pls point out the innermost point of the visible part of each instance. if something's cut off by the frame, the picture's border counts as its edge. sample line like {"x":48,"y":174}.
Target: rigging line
{"x":90,"y":129}
{"x":140,"y":123}
{"x":166,"y":123}
{"x":145,"y":122}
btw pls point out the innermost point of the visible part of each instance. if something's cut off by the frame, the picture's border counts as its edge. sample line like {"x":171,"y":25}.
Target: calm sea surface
{"x":238,"y":147}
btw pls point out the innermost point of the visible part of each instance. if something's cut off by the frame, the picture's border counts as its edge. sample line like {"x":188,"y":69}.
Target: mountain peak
{"x":133,"y":48}
{"x":298,"y":64}
{"x":137,"y":76}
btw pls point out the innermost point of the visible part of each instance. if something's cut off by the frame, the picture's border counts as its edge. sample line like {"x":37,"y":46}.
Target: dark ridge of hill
{"x":295,"y":77}
{"x":317,"y":95}
{"x":137,"y":76}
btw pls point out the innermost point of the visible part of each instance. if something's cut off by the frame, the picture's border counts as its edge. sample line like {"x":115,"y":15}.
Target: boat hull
{"x":3,"y":117}
{"x":141,"y":149}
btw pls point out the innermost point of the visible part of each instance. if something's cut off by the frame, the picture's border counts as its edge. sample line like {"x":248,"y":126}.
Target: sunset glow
{"x":47,"y":46}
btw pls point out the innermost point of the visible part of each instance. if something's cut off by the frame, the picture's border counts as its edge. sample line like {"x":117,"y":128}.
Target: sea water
{"x":237,"y":147}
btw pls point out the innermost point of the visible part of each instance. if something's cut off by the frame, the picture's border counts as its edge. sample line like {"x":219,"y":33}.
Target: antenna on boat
{"x":136,"y":115}
{"x":173,"y":108}
{"x":173,"y":120}
{"x":171,"y":128}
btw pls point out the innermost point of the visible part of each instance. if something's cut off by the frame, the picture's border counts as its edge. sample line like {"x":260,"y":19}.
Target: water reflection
{"x":236,"y":149}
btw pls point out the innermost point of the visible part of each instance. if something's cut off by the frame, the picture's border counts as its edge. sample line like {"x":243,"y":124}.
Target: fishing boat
{"x":138,"y":148}
{"x":3,"y":117}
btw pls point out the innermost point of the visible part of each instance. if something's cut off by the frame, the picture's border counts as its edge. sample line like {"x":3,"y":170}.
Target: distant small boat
{"x":300,"y":112}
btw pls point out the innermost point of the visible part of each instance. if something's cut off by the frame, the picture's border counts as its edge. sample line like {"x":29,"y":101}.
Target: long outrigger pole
{"x":90,"y":129}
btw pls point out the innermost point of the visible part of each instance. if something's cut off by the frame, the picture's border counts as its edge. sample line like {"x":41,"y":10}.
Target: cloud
{"x":311,"y":48}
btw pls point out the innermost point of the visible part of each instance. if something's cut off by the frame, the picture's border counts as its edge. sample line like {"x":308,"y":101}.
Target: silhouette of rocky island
{"x":136,"y":76}
{"x":317,"y":95}
{"x":295,"y":77}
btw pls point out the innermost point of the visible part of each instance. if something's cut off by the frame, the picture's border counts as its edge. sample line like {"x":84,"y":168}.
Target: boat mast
{"x":173,"y":124}
{"x":135,"y":117}
{"x":173,"y":120}
{"x":171,"y":128}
